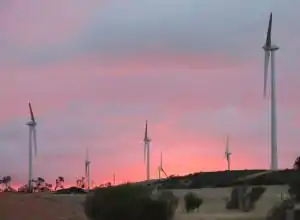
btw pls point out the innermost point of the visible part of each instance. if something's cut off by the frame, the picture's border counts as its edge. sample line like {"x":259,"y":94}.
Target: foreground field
{"x":47,"y":206}
{"x":40,"y":206}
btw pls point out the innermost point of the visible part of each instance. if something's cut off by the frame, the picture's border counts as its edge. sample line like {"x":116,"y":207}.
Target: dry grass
{"x":46,"y":206}
{"x":40,"y":206}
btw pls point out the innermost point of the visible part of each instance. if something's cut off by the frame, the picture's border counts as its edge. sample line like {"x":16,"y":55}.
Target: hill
{"x":230,"y":178}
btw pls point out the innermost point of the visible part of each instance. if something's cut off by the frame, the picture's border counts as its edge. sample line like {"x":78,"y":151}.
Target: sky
{"x":96,"y":70}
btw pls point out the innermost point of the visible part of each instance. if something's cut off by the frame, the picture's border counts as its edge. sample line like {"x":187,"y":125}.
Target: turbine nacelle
{"x":270,"y":48}
{"x":31,"y":123}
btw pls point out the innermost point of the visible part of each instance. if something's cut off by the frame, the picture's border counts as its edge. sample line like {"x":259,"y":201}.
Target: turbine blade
{"x":146,"y":132}
{"x":145,"y":148}
{"x":161,"y":160}
{"x":164,"y":172}
{"x":227,"y":145}
{"x":31,"y":112}
{"x":266,"y":66}
{"x":86,"y":169}
{"x":34,"y":141}
{"x":87,"y":154}
{"x":269,"y":33}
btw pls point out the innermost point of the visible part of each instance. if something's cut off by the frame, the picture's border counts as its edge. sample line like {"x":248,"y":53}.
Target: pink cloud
{"x":34,"y":23}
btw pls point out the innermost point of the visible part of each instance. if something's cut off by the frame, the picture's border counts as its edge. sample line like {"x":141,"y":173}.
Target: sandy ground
{"x":40,"y":206}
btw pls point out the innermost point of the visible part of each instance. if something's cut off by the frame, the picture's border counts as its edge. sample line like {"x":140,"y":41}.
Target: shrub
{"x":278,"y":212}
{"x":172,"y":202}
{"x":125,"y":202}
{"x":233,"y":202}
{"x":256,"y":194}
{"x":192,"y":202}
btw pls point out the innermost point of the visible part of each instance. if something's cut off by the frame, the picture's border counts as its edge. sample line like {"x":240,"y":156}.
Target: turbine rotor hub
{"x":31,"y":123}
{"x":273,"y":47}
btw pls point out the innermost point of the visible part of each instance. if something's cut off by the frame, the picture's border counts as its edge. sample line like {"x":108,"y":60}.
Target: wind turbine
{"x":87,"y":169}
{"x":147,"y":152}
{"x":160,"y":167}
{"x":32,"y":140}
{"x":227,"y":153}
{"x":114,"y":179}
{"x":270,"y":49}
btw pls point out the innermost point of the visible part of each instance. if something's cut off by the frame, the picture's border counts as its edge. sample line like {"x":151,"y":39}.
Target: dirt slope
{"x":39,"y":206}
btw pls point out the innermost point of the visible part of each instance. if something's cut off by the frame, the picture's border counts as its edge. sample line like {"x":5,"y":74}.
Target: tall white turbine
{"x":147,"y":152}
{"x":227,"y":153}
{"x":114,"y":179}
{"x":270,"y":50}
{"x":87,"y":169}
{"x":32,"y":140}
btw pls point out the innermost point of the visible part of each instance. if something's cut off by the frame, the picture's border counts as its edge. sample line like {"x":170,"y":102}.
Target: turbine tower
{"x":227,"y":153}
{"x":147,"y":152}
{"x":270,"y":49}
{"x":87,"y":170}
{"x":160,"y":167}
{"x":32,"y":140}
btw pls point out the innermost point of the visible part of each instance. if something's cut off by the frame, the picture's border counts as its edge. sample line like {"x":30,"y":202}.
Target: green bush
{"x":192,"y":202}
{"x":126,"y":202}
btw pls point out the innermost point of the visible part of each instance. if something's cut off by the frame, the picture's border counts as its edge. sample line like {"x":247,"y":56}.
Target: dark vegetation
{"x":289,"y":177}
{"x":129,"y":202}
{"x":232,"y":178}
{"x":71,"y":190}
{"x":192,"y":202}
{"x":244,"y":197}
{"x":279,"y":212}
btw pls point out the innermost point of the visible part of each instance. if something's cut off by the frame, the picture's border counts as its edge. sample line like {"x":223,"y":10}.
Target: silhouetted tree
{"x":6,"y":181}
{"x":59,"y":182}
{"x":40,"y":182}
{"x":296,"y":165}
{"x":80,"y":182}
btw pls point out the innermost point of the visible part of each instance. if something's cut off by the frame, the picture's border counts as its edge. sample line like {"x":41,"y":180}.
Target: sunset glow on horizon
{"x":94,"y":71}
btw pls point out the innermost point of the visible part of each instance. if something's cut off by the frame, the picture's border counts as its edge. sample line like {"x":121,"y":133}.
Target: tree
{"x":59,"y":182}
{"x":296,"y":165}
{"x":80,"y":182}
{"x":40,"y":182}
{"x":6,"y":181}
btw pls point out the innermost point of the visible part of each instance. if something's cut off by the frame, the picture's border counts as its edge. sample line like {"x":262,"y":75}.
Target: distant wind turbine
{"x":114,"y":179}
{"x":270,"y":49}
{"x":227,"y":153}
{"x":32,"y":140}
{"x":147,"y":152}
{"x":87,"y":169}
{"x":160,"y":167}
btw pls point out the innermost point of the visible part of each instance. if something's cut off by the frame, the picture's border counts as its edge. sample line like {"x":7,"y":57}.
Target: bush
{"x":243,"y":199}
{"x":256,"y":193}
{"x":126,"y":202}
{"x":71,"y":190}
{"x":278,"y":212}
{"x":172,"y":202}
{"x":233,"y":202}
{"x":192,"y":202}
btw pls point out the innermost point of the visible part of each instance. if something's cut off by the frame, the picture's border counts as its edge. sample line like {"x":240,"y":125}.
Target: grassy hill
{"x":231,"y":178}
